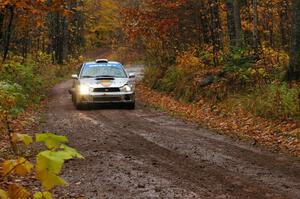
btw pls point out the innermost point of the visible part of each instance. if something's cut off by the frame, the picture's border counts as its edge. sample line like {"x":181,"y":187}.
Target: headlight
{"x":126,"y":88}
{"x":84,"y":90}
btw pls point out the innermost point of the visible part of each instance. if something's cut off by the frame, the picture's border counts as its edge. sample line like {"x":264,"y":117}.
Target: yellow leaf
{"x":8,"y":166}
{"x":26,"y":139}
{"x":46,"y":161}
{"x":51,"y":140}
{"x":24,"y":167}
{"x":3,"y":194}
{"x":252,"y":71}
{"x":42,"y":195}
{"x":262,"y":71}
{"x":49,"y":180}
{"x":17,"y":192}
{"x":20,"y":167}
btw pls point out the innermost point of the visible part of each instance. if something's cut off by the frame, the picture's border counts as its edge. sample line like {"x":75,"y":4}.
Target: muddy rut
{"x":145,"y":153}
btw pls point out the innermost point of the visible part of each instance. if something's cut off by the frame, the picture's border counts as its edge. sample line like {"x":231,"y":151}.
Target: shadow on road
{"x":116,"y":106}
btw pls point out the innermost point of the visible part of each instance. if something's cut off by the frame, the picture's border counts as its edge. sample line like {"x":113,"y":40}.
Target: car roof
{"x":109,"y":62}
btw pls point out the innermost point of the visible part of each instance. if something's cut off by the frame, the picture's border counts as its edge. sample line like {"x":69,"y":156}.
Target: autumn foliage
{"x":52,"y":27}
{"x":230,"y":64}
{"x":34,"y":37}
{"x":231,"y":61}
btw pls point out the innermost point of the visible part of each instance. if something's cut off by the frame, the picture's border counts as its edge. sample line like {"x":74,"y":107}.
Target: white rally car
{"x":103,"y":81}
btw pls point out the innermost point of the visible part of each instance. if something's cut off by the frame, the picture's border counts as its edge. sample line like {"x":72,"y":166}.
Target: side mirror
{"x":74,"y":76}
{"x":131,"y":75}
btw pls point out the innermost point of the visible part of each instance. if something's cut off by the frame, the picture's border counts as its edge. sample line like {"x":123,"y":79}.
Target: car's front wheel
{"x":131,"y":106}
{"x":78,"y":105}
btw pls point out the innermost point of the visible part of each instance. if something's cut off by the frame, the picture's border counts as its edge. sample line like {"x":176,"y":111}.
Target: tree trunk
{"x":58,"y":39}
{"x":237,"y":22}
{"x":255,"y":24}
{"x":215,"y":29}
{"x":1,"y":27}
{"x":284,"y":23}
{"x":230,"y":22}
{"x":234,"y":22}
{"x":8,"y":34}
{"x":294,"y":67}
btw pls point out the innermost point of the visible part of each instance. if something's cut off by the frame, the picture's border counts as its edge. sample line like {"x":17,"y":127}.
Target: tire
{"x":73,"y":99}
{"x":77,"y":104}
{"x":131,"y":106}
{"x":80,"y":107}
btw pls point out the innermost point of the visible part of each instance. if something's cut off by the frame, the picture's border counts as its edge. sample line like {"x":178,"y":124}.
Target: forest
{"x":235,"y":59}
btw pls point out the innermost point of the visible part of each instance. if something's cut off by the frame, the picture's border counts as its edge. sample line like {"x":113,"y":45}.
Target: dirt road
{"x":145,"y":153}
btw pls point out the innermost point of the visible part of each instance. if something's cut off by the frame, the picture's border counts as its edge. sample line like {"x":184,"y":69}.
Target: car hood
{"x":104,"y":83}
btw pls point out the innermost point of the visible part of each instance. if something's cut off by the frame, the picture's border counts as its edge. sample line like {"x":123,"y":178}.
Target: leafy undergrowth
{"x":33,"y":178}
{"x":21,"y":103}
{"x":26,"y":82}
{"x":27,"y":122}
{"x":277,"y":134}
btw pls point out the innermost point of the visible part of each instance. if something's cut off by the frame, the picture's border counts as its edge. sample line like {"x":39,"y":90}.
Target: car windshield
{"x":103,"y":70}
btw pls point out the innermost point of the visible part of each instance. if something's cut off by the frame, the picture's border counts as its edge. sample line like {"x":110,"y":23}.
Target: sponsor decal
{"x":105,"y":83}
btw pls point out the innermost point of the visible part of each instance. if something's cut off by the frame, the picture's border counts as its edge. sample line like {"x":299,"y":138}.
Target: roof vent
{"x":101,"y":61}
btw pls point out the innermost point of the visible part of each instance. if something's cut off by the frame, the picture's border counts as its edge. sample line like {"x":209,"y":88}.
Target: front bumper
{"x":98,"y":98}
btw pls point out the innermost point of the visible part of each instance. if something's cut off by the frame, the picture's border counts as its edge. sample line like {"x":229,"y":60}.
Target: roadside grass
{"x":271,"y":101}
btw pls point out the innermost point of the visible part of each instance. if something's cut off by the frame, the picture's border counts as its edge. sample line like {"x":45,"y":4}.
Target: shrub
{"x":274,"y":58}
{"x":243,"y":69}
{"x":209,"y":56}
{"x":152,"y":76}
{"x":172,"y":78}
{"x":189,"y":62}
{"x":239,"y":68}
{"x":187,"y":93}
{"x":180,"y":83}
{"x":23,"y":75}
{"x":276,"y":101}
{"x":178,"y":79}
{"x":12,"y":98}
{"x":238,"y":59}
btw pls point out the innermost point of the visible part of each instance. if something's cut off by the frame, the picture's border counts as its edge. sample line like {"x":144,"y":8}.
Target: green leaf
{"x":71,"y":151}
{"x":50,"y":161}
{"x":52,"y":141}
{"x":49,"y":165}
{"x":42,"y":195}
{"x":54,"y":160}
